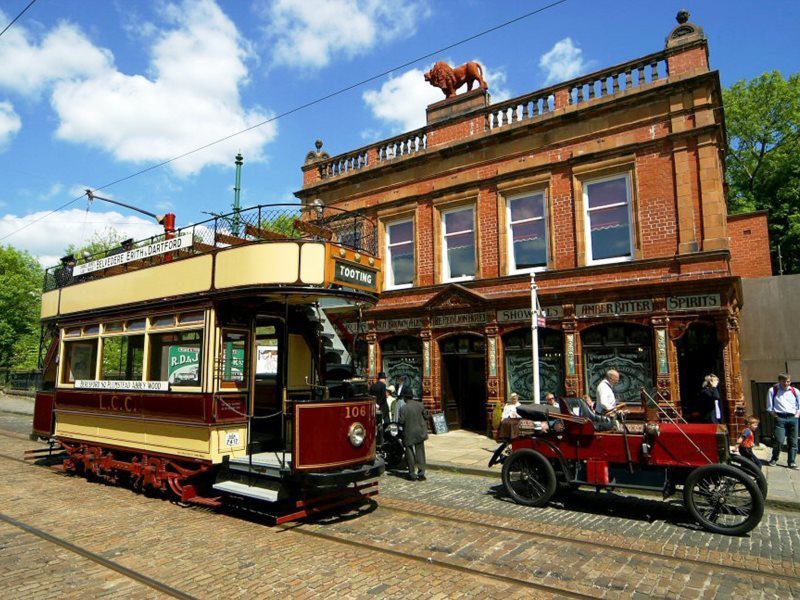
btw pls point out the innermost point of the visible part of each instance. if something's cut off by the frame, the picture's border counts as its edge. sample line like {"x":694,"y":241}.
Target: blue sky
{"x":93,"y":91}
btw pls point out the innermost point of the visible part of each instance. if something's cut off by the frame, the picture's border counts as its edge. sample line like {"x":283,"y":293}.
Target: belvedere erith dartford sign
{"x":179,"y":242}
{"x":355,"y":275}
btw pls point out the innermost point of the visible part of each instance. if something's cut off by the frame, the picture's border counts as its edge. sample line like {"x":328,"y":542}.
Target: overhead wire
{"x":24,"y":10}
{"x":296,"y":109}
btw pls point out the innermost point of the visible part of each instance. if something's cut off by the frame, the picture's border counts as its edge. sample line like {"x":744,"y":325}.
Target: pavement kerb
{"x":779,"y":503}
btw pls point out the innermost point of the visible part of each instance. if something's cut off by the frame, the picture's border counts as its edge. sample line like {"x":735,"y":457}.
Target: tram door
{"x":464,"y":382}
{"x":267,"y":339}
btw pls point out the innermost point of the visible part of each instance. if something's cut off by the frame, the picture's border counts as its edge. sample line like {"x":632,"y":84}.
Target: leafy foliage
{"x":101,"y":241}
{"x":763,"y":164}
{"x":21,"y":279}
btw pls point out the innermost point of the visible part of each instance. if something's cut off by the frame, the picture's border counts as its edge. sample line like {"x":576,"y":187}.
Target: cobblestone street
{"x":452,"y":536}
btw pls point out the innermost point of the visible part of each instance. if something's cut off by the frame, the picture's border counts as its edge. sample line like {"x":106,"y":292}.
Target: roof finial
{"x":682,"y":16}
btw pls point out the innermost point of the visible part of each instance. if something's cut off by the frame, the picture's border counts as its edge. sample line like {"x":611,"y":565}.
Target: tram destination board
{"x":356,"y":276}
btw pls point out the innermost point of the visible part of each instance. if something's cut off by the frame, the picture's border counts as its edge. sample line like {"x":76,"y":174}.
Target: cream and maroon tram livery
{"x":215,"y":363}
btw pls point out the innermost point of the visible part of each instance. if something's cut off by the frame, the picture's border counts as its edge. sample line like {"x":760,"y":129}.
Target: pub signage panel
{"x":618,"y":307}
{"x":523,"y":315}
{"x":693,"y":302}
{"x":355,"y":275}
{"x":459,"y":320}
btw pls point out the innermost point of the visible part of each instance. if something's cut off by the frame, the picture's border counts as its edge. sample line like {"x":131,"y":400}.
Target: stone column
{"x":492,"y":371}
{"x":663,"y":375}
{"x":572,"y":361}
{"x":728,"y":334}
{"x":373,"y":352}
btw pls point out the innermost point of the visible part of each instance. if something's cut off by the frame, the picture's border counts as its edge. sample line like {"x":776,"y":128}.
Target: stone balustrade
{"x":624,"y":78}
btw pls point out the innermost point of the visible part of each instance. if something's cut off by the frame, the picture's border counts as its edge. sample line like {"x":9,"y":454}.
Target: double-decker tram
{"x":219,"y":363}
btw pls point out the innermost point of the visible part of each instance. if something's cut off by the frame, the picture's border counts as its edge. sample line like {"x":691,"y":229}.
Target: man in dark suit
{"x":414,"y":419}
{"x":378,"y":390}
{"x":402,"y":385}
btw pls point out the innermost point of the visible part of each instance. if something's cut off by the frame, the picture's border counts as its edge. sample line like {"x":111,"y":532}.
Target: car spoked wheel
{"x":723,"y":499}
{"x":529,"y":478}
{"x":752,"y":470}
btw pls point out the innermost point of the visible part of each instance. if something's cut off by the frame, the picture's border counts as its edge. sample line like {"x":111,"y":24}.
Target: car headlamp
{"x":357,"y":434}
{"x":393,"y":429}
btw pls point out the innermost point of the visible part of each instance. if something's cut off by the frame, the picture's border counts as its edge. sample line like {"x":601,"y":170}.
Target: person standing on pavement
{"x":747,"y":440}
{"x":708,"y":403}
{"x":414,"y":419}
{"x":783,"y":401}
{"x":378,"y":391}
{"x":606,"y":400}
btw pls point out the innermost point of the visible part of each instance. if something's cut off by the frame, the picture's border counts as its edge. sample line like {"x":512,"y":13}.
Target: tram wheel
{"x":529,"y":478}
{"x":752,"y":470}
{"x":723,"y":499}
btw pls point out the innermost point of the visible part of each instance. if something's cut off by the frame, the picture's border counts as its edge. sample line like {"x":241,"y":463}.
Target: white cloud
{"x":189,"y":98}
{"x":401,"y":101}
{"x":563,"y":61}
{"x":309,"y":34}
{"x":192,"y":99}
{"x":47,"y":238}
{"x":10,"y":123}
{"x":63,"y":53}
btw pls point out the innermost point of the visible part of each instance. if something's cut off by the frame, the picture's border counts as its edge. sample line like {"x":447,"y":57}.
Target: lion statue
{"x":449,"y":79}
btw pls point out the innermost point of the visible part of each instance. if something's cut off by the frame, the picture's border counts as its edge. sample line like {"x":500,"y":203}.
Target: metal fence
{"x":21,"y":380}
{"x":259,"y":224}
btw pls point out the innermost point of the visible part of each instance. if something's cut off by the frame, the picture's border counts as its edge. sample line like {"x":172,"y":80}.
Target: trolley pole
{"x":535,"y":340}
{"x":236,"y":190}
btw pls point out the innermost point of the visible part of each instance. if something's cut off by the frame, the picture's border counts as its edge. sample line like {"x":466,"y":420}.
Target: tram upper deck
{"x":272,"y":247}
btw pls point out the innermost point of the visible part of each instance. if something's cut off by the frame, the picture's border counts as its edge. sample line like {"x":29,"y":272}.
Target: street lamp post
{"x":535,"y":340}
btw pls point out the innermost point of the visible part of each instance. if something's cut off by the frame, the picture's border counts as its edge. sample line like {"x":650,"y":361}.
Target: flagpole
{"x":535,"y":340}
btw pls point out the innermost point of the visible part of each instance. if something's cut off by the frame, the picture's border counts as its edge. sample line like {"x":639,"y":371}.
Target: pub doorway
{"x":464,"y":382}
{"x":699,"y":354}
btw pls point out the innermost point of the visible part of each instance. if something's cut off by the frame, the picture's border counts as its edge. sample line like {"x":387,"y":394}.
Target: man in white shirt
{"x":606,"y":400}
{"x":783,"y":401}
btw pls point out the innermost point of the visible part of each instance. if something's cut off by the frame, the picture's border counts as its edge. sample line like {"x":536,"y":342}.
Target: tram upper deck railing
{"x":255,"y":225}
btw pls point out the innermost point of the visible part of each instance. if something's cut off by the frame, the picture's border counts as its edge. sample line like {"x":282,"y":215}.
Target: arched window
{"x":402,"y":355}
{"x":626,"y":347}
{"x":517,"y":348}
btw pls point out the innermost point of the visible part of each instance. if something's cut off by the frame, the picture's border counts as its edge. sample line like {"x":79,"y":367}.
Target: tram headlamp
{"x":357,"y":434}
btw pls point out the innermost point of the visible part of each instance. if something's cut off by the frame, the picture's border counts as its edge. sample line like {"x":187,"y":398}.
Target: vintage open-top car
{"x":724,"y":493}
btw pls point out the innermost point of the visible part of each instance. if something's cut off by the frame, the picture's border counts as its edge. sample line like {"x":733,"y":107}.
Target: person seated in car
{"x":601,"y":422}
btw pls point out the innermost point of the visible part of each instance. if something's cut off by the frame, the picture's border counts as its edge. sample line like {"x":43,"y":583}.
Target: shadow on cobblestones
{"x":616,"y":504}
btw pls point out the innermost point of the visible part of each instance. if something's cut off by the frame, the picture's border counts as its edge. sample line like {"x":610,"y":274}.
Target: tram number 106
{"x":356,"y":411}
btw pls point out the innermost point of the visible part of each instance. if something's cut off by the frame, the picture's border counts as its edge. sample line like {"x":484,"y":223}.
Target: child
{"x":747,"y":440}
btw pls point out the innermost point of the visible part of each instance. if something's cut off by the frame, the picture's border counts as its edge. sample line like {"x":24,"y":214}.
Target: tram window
{"x":191,"y":318}
{"x":266,"y":352}
{"x":115,"y":327}
{"x":136,"y":325}
{"x":80,"y":361}
{"x":91,"y":330}
{"x":234,"y":358}
{"x":163,"y":321}
{"x":123,"y":358}
{"x":73,"y":332}
{"x":176,"y":357}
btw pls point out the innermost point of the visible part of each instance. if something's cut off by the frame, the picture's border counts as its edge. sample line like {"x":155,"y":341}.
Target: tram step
{"x":242,"y":489}
{"x":202,"y":501}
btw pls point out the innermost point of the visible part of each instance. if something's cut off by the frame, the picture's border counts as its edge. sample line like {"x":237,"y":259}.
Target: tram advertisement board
{"x":181,"y":241}
{"x":184,"y":364}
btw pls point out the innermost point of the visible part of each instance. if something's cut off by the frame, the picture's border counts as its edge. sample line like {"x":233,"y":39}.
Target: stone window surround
{"x":508,"y":191}
{"x":582,"y":174}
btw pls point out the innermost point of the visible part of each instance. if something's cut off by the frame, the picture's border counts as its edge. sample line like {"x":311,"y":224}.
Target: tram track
{"x":96,"y":558}
{"x":431,"y":561}
{"x":521,"y":528}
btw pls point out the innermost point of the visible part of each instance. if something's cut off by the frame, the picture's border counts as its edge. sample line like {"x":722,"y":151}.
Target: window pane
{"x":113,"y":327}
{"x":530,"y":248}
{"x":123,"y":358}
{"x":607,"y":192}
{"x":610,"y":231}
{"x":234,"y":356}
{"x":80,"y":359}
{"x":137,"y":325}
{"x":91,"y":329}
{"x":460,"y":220}
{"x":401,"y":232}
{"x":175,"y":357}
{"x":403,"y":266}
{"x":163,"y":321}
{"x":191,"y":318}
{"x":529,"y":207}
{"x":462,"y":261}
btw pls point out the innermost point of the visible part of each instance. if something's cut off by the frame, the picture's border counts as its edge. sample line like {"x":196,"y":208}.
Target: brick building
{"x":609,"y":188}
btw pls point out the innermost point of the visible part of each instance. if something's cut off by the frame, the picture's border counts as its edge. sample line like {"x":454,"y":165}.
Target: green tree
{"x":101,"y":241}
{"x":21,"y":279}
{"x":762,"y":119}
